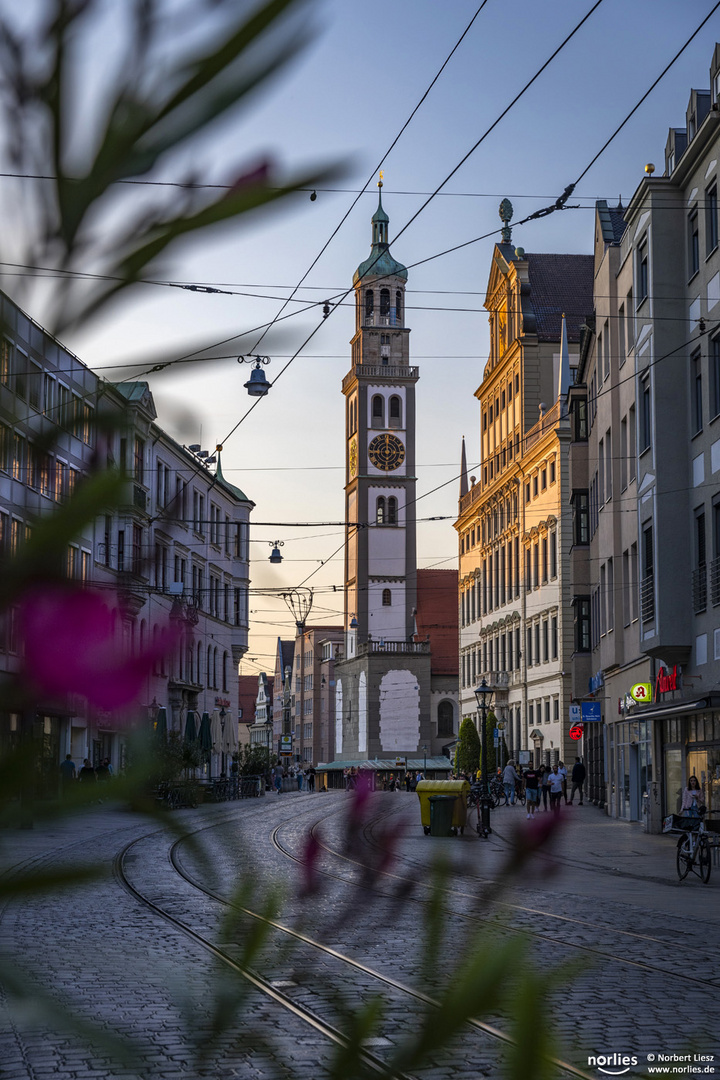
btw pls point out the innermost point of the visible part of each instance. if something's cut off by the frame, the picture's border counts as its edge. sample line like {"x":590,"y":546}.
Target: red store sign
{"x":666,"y":681}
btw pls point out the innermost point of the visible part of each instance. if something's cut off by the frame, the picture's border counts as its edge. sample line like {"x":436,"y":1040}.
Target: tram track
{"x":264,"y":987}
{"x":537,"y":935}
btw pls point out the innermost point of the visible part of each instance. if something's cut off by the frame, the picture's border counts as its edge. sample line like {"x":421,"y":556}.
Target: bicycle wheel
{"x":522,"y":798}
{"x":704,"y":859}
{"x":684,"y":856}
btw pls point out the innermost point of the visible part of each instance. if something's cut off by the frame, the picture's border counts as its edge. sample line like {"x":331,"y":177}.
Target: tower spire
{"x":463,"y":470}
{"x":563,"y":369}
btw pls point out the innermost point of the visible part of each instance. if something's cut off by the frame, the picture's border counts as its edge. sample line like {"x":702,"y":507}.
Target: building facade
{"x":173,"y":552}
{"x":516,"y":628}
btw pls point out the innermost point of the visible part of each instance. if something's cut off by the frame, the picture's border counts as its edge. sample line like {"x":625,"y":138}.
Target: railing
{"x":699,"y":589}
{"x":549,"y":420}
{"x":498,"y":680}
{"x":405,"y":648}
{"x":374,"y":319}
{"x":474,"y":495}
{"x":647,"y":598}
{"x":380,"y":371}
{"x":715,"y":581}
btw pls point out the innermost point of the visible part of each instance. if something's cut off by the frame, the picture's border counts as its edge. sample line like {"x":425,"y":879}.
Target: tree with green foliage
{"x":467,"y":754}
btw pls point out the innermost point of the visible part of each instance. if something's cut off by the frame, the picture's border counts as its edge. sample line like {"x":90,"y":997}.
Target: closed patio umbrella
{"x":190,"y":727}
{"x":230,"y":734}
{"x":161,"y":723}
{"x":216,"y":732}
{"x":205,"y":735}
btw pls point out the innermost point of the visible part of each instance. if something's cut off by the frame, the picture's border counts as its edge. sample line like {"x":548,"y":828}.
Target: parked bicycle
{"x":693,"y":847}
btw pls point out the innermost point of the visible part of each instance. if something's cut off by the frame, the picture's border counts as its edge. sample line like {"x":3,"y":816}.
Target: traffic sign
{"x":591,"y":712}
{"x":496,"y":733}
{"x":575,"y":714}
{"x":576,"y":732}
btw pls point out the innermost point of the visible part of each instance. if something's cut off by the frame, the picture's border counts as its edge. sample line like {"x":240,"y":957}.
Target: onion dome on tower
{"x":380,"y":263}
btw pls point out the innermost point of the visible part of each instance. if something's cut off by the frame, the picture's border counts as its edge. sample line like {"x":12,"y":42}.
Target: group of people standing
{"x":549,"y":782}
{"x":304,"y":778}
{"x":88,"y":773}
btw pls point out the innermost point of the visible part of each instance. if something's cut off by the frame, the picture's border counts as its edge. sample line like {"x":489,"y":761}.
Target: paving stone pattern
{"x":639,"y":948}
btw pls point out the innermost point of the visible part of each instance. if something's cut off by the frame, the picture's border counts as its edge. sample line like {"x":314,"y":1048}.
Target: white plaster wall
{"x":387,"y":622}
{"x":362,"y":713}
{"x":386,"y":552}
{"x":338,"y":718}
{"x":399,"y":712}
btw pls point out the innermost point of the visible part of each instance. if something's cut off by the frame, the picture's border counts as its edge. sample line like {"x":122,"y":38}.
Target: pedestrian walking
{"x":68,"y":773}
{"x":532,"y":790}
{"x":278,"y":777}
{"x":560,"y":768}
{"x":544,"y":774}
{"x":509,"y":779}
{"x":578,"y":779}
{"x":87,"y":773}
{"x":408,"y":780}
{"x":311,"y":780}
{"x":299,"y":779}
{"x":555,"y":782}
{"x":102,"y":772}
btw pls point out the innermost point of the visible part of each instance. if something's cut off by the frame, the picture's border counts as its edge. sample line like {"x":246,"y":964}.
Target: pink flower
{"x":70,"y":647}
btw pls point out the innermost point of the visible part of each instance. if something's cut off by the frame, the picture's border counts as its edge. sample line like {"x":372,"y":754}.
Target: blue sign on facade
{"x":591,"y":712}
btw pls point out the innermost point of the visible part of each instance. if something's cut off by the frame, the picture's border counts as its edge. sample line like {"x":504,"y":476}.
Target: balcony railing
{"x":699,"y":589}
{"x":380,"y":371}
{"x":549,"y":420}
{"x":405,"y":648}
{"x":374,"y":318}
{"x":647,"y":598}
{"x":715,"y":581}
{"x":497,"y":680}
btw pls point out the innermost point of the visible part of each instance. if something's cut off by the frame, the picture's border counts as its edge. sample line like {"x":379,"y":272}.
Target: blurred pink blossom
{"x":70,"y":648}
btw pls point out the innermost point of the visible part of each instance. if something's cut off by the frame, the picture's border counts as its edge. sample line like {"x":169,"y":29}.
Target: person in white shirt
{"x":555,"y":781}
{"x":563,"y":773}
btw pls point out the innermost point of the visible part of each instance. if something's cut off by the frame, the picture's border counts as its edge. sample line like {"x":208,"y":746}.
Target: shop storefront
{"x":691,"y":747}
{"x":630,"y":767}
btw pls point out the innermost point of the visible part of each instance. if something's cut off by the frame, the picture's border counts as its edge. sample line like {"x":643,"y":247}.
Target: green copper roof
{"x":226,"y":483}
{"x":380,"y":263}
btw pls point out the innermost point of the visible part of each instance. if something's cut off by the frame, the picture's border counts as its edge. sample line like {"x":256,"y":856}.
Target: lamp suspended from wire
{"x":275,"y":556}
{"x":257,"y":385}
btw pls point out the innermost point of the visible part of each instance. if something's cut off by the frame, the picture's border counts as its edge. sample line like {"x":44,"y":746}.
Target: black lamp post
{"x":482,"y":695}
{"x":424,"y":750}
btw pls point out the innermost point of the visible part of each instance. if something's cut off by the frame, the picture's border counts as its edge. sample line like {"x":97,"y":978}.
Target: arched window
{"x":380,"y":511}
{"x":384,"y":302}
{"x":369,"y":303}
{"x":215,"y":669}
{"x":392,"y":510}
{"x":224,"y":671}
{"x":445,"y":719}
{"x":395,"y":411}
{"x":398,"y":308}
{"x":386,"y":598}
{"x":378,"y":411}
{"x":209,"y":667}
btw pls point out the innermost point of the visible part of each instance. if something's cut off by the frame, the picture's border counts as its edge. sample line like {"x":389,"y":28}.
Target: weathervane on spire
{"x":380,"y":181}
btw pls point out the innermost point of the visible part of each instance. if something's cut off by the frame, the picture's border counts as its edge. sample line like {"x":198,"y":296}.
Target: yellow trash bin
{"x":460,"y":788}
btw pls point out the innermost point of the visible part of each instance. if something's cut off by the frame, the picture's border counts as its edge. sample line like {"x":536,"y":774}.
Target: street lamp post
{"x":424,"y":750}
{"x":482,"y":694}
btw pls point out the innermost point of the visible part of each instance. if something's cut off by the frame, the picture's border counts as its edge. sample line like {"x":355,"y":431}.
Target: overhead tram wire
{"x":390,"y":148}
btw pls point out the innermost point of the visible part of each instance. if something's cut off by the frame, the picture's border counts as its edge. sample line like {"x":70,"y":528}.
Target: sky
{"x":341,"y":103}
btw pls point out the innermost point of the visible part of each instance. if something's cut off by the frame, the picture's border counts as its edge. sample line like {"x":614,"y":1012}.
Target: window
{"x":552,"y":541}
{"x":623,"y":453}
{"x":696,"y":418}
{"x":711,"y":219}
{"x":139,"y":461}
{"x":580,"y":416}
{"x":621,"y":336}
{"x":610,"y":596}
{"x":641,"y":271}
{"x":608,"y":465}
{"x":386,"y":598}
{"x":693,"y":244}
{"x":632,"y":440}
{"x":581,"y":517}
{"x":554,"y":638}
{"x":384,"y":302}
{"x":647,"y":589}
{"x":582,"y":623}
{"x":380,"y":511}
{"x":369,"y":303}
{"x":398,"y":307}
{"x":378,"y":411}
{"x":535,"y":486}
{"x":543,"y":479}
{"x":715,"y":374}
{"x":392,"y":510}
{"x":645,"y":414}
{"x":445,"y":719}
{"x":5,"y":354}
{"x":395,"y":411}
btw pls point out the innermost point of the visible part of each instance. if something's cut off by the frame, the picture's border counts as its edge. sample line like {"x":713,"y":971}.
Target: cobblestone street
{"x":631,"y":950}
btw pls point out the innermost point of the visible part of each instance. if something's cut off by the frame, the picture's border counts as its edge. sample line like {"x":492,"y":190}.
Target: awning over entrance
{"x":672,"y":708}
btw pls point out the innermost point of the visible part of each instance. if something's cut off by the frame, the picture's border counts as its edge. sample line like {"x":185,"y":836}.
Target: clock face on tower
{"x":386,"y":452}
